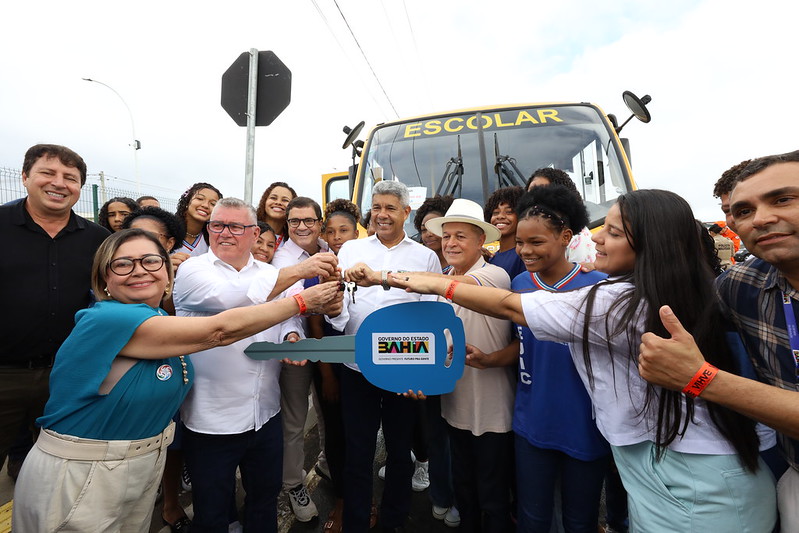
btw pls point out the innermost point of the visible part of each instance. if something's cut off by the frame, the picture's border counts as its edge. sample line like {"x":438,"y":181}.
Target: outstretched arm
{"x":672,"y":363}
{"x":490,"y":301}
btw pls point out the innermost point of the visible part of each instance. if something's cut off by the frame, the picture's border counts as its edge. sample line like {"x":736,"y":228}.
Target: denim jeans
{"x":538,"y":469}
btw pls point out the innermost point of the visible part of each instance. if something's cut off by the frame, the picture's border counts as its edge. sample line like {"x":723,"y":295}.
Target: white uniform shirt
{"x":232,"y":393}
{"x":407,"y":255}
{"x":618,"y":398}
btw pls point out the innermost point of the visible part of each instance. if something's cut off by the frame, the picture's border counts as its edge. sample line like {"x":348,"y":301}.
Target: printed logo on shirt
{"x":164,"y":372}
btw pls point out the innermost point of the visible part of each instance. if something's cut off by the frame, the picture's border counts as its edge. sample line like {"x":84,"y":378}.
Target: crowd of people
{"x":664,"y":376}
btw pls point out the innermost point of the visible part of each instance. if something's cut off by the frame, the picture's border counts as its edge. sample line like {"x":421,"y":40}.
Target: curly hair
{"x":185,"y":198}
{"x":505,"y":195}
{"x":558,"y":205}
{"x":727,"y":180}
{"x":102,"y":216}
{"x":260,"y":212}
{"x":172,"y":225}
{"x":555,"y":176}
{"x":437,"y":204}
{"x":344,"y":208}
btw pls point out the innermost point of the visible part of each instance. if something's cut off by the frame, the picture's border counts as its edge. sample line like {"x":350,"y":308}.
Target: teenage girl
{"x":194,"y":210}
{"x":560,"y":441}
{"x":687,"y":465}
{"x":272,"y":208}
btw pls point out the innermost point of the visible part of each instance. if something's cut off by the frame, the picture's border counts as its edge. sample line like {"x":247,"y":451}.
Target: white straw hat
{"x":463,"y":210}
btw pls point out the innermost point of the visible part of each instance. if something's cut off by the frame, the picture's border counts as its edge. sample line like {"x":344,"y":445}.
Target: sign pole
{"x":252,"y":96}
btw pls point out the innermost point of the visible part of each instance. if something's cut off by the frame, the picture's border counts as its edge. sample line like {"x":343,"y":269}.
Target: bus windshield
{"x":451,"y":154}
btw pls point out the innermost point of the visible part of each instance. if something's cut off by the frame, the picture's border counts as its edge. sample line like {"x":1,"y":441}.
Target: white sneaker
{"x":235,"y":527}
{"x":381,"y":473}
{"x":452,"y":518}
{"x":185,"y":479}
{"x":439,"y":512}
{"x":302,"y":505}
{"x":420,"y":480}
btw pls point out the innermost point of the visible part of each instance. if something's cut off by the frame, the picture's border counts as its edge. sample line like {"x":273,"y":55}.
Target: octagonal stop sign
{"x":273,"y":89}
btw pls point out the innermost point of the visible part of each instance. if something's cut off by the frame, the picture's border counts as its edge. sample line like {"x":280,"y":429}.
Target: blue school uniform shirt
{"x":143,"y":401}
{"x":510,"y":262}
{"x":552,"y":408}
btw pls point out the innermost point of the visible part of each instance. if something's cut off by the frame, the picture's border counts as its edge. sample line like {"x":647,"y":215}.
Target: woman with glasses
{"x":116,"y":383}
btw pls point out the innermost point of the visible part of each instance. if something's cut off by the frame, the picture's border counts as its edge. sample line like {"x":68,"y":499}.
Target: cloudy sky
{"x":721,"y":74}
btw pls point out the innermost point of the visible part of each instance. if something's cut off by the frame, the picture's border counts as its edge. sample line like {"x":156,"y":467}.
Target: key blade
{"x":337,"y":349}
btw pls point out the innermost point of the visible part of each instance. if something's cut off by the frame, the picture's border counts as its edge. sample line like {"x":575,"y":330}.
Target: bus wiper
{"x":508,"y":174}
{"x":452,"y":180}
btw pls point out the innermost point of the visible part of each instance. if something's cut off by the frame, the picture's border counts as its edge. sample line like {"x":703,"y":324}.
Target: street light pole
{"x":136,"y":144}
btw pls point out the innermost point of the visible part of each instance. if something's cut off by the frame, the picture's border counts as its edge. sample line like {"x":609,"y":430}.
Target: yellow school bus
{"x":470,"y":153}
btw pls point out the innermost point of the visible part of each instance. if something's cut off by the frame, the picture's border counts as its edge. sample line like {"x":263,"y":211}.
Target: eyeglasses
{"x":215,"y":226}
{"x":308,"y":222}
{"x":125,"y":265}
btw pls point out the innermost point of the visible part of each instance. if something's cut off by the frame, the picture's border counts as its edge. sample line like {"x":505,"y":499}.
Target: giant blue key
{"x":418,"y":346}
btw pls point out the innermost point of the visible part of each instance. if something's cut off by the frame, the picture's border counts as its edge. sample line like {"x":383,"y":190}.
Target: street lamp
{"x":136,"y":144}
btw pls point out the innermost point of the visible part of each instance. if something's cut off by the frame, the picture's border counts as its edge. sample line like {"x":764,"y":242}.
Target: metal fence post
{"x":95,"y":203}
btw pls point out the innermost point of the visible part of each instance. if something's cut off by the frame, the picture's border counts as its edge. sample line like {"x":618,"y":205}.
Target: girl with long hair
{"x":273,"y":206}
{"x":687,"y":465}
{"x":194,"y":210}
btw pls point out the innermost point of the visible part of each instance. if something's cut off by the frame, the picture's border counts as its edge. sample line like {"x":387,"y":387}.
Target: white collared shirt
{"x":407,"y":255}
{"x":232,"y":393}
{"x":291,"y":254}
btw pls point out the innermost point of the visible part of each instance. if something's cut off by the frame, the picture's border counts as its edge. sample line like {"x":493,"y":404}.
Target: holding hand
{"x":362,"y":274}
{"x":316,"y":298}
{"x":322,"y":264}
{"x":670,"y":363}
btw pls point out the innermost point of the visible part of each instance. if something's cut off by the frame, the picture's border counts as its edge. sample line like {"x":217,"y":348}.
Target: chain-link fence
{"x":98,"y":189}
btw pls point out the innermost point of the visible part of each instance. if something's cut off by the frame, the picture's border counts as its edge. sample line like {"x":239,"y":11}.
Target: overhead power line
{"x":366,"y":59}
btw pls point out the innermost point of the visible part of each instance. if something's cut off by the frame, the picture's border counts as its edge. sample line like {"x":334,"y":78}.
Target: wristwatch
{"x":384,"y":279}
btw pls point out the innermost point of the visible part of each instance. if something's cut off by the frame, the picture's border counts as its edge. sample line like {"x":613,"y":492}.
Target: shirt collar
{"x":21,"y":217}
{"x":298,"y":252}
{"x":251,"y":262}
{"x":404,"y":240}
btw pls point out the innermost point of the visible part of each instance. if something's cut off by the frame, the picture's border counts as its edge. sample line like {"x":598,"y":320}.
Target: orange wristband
{"x":701,"y":380}
{"x":301,"y":303}
{"x":451,"y":290}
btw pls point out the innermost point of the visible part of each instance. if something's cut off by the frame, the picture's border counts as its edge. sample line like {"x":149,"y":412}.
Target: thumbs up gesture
{"x":670,"y":363}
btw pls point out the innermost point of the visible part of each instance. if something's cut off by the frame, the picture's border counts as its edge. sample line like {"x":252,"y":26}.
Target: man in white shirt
{"x":304,"y":222}
{"x":232,"y":414}
{"x":364,"y":406}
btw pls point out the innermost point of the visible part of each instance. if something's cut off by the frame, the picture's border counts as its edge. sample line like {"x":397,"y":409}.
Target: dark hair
{"x":185,"y":198}
{"x":762,"y":163}
{"x":140,"y":199}
{"x":436,"y":204}
{"x":304,"y":201}
{"x":261,"y":210}
{"x":709,"y":247}
{"x":727,"y":180}
{"x":173,"y":225}
{"x":715,"y":228}
{"x":264,"y":227}
{"x":555,"y":176}
{"x":105,"y":252}
{"x":102,"y":216}
{"x":558,"y":205}
{"x":342,"y":207}
{"x":367,"y":218}
{"x":505,"y":195}
{"x":680,"y":277}
{"x":64,"y":154}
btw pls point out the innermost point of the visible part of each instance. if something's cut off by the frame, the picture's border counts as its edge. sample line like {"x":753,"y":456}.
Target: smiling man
{"x":364,"y":405}
{"x":304,"y":221}
{"x":232,"y":414}
{"x":761,"y":298}
{"x":46,"y":280}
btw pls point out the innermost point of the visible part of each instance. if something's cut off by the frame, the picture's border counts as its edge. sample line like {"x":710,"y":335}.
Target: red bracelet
{"x":451,"y":290}
{"x":701,"y":380}
{"x":301,"y":303}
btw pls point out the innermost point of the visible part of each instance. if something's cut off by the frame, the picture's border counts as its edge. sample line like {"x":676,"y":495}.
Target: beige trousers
{"x":82,"y":485}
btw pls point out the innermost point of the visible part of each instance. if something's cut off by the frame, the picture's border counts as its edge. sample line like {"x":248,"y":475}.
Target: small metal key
{"x":351,"y":287}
